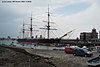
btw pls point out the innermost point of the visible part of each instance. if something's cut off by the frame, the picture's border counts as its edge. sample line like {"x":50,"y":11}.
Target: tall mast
{"x":31,"y":27}
{"x":48,"y":26}
{"x":23,"y":29}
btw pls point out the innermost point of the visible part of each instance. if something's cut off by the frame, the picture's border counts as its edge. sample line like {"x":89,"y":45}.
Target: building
{"x":87,"y":36}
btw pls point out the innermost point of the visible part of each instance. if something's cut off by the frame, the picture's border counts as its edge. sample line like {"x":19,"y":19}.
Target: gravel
{"x":41,"y":58}
{"x":61,"y":59}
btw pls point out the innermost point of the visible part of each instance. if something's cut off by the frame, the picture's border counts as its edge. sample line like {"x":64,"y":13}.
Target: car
{"x":98,"y":48}
{"x":82,"y":52}
{"x":68,"y":50}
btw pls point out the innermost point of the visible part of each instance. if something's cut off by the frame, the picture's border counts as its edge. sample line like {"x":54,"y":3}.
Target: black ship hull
{"x":38,"y":41}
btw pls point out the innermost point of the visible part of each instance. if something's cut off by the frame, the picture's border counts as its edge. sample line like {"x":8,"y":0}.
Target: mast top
{"x":31,"y":27}
{"x":31,"y":15}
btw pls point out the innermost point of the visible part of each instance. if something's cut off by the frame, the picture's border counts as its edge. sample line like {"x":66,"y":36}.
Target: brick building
{"x":89,"y":35}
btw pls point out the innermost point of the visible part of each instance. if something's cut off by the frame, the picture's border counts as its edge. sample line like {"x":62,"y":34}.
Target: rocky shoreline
{"x":10,"y":58}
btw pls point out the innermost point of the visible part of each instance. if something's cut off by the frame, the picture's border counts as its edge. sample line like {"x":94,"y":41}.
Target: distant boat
{"x":94,"y":61}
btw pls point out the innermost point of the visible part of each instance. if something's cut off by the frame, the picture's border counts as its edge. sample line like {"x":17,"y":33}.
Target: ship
{"x":41,"y":40}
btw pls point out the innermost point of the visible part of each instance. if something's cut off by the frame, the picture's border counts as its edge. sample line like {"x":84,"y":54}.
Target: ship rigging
{"x":36,"y":40}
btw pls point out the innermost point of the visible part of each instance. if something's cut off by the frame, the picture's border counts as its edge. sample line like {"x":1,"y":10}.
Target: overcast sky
{"x":82,"y":15}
